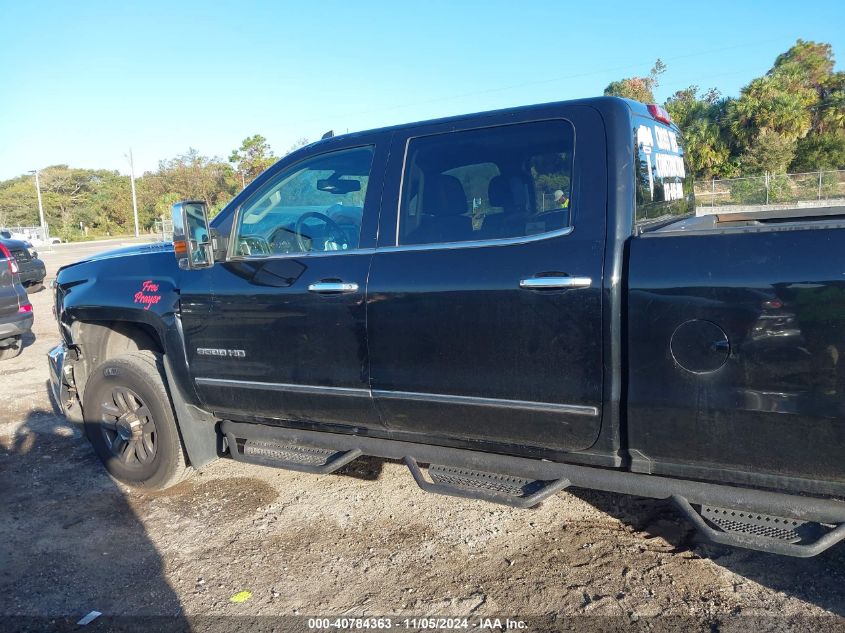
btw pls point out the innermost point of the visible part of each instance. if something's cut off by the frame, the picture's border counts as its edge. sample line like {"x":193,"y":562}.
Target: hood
{"x":127,"y":251}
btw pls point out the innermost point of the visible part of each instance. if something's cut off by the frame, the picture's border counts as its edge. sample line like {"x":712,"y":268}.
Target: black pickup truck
{"x":512,"y":302}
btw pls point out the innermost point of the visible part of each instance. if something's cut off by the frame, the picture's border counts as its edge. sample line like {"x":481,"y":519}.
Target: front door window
{"x":314,"y":206}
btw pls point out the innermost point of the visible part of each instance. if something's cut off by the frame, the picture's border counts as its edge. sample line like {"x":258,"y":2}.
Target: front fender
{"x":140,"y":288}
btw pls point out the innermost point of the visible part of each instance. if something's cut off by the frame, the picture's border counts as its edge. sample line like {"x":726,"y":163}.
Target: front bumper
{"x":62,"y":383}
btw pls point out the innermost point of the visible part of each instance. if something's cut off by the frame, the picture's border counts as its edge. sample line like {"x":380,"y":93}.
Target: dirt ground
{"x":364,"y":542}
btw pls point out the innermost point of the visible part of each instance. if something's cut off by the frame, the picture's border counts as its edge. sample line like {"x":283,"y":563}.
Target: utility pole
{"x":40,"y":206}
{"x":134,"y":198}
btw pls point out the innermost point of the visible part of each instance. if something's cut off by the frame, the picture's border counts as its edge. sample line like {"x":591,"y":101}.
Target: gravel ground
{"x":362,"y":542}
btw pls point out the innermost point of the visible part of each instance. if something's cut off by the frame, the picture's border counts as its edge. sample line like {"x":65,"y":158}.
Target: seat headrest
{"x":507,"y":191}
{"x":444,"y":196}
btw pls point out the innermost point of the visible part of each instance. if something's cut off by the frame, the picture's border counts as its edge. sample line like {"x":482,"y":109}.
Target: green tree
{"x":820,"y":151}
{"x":774,"y":103}
{"x":191,"y":176}
{"x":637,"y":88}
{"x":705,"y":144}
{"x":253,"y":157}
{"x":164,"y":203}
{"x":830,"y":111}
{"x":811,"y":62}
{"x":109,"y":204}
{"x":771,"y":114}
{"x":18,"y":202}
{"x":99,"y":199}
{"x":770,"y":152}
{"x":796,"y":99}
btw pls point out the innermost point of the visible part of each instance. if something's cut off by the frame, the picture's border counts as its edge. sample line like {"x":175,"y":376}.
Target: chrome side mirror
{"x":191,"y":236}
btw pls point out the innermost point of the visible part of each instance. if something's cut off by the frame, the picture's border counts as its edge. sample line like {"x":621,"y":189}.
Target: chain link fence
{"x":37,"y":236}
{"x":818,"y":188}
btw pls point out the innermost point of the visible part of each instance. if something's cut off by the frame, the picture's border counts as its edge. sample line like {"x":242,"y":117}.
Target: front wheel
{"x":129,"y":420}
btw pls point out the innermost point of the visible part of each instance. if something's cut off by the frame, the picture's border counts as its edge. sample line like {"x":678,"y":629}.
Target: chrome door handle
{"x":332,"y":287}
{"x":546,"y":283}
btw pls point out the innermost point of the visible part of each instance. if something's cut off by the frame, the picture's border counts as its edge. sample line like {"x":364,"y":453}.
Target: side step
{"x":778,"y":523}
{"x":474,"y":484}
{"x":306,"y":459}
{"x":762,"y":532}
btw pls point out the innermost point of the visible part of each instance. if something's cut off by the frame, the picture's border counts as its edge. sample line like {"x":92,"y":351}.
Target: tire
{"x":33,"y":288}
{"x":11,"y":350}
{"x":129,"y":421}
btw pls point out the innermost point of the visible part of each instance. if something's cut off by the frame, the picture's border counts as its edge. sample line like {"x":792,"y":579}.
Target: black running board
{"x":306,"y":459}
{"x":522,"y":482}
{"x":473,"y":484}
{"x":786,"y":545}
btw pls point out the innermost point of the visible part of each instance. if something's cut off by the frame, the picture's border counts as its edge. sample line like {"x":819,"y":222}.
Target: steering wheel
{"x":334,"y":230}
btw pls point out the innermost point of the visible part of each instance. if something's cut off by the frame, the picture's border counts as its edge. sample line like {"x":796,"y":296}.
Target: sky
{"x":83,"y":82}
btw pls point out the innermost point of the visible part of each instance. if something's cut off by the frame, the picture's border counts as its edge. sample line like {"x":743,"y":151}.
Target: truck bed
{"x":735,"y":359}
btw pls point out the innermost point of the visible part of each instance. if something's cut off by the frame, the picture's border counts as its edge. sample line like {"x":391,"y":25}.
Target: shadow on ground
{"x":365,"y":467}
{"x":71,"y":542}
{"x":27,"y":339}
{"x":816,"y":580}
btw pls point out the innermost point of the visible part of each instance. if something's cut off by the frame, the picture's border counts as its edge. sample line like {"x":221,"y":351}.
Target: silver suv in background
{"x":15,"y":308}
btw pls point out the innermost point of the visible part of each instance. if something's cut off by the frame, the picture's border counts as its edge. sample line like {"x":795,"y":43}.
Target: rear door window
{"x":485,"y":184}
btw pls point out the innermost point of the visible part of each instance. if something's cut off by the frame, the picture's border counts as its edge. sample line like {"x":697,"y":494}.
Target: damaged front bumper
{"x":62,"y":384}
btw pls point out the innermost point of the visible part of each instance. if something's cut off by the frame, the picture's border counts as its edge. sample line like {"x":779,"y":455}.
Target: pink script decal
{"x":145,"y":297}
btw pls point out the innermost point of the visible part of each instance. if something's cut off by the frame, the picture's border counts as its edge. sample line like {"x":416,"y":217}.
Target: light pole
{"x":132,"y":182}
{"x":40,"y":206}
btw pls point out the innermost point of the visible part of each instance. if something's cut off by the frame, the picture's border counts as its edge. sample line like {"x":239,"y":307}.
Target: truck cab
{"x":492,"y":295}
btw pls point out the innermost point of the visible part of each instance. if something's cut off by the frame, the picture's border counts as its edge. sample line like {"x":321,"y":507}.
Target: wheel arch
{"x":97,"y":341}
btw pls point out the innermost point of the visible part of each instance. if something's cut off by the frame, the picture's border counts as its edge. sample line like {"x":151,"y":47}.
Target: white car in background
{"x":31,"y":240}
{"x":21,"y":237}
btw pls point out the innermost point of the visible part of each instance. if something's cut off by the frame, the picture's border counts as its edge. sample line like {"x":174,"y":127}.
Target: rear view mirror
{"x":338,"y":185}
{"x":191,"y":236}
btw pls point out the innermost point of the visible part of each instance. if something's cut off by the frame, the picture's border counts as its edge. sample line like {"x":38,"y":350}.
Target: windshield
{"x":664,"y":189}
